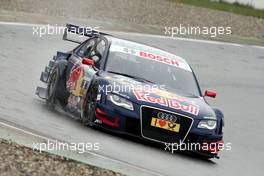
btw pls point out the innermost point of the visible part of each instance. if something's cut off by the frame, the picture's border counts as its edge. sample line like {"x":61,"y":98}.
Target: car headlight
{"x":207,"y":124}
{"x":119,"y":101}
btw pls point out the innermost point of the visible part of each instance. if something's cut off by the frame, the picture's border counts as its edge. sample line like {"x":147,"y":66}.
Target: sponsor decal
{"x":79,"y":80}
{"x":98,"y":98}
{"x":76,"y":83}
{"x":164,"y":124}
{"x":172,"y":60}
{"x":76,"y":77}
{"x":162,"y":59}
{"x":98,"y":121}
{"x":166,"y":94}
{"x":168,"y":102}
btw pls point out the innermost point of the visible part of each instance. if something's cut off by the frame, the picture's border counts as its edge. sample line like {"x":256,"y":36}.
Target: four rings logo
{"x":168,"y":117}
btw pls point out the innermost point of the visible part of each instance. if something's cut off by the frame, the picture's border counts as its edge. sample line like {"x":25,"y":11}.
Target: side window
{"x":86,"y":48}
{"x":100,"y":48}
{"x":98,"y":52}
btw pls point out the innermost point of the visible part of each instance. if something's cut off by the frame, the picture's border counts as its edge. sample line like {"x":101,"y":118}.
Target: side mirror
{"x":87,"y":61}
{"x":210,"y":93}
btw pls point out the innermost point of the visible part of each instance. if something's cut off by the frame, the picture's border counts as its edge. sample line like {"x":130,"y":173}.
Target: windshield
{"x":160,"y":71}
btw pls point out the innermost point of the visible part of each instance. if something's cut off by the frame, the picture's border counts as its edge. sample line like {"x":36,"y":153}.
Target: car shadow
{"x":161,"y":147}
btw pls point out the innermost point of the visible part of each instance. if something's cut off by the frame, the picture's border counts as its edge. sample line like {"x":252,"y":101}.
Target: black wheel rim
{"x":89,"y":108}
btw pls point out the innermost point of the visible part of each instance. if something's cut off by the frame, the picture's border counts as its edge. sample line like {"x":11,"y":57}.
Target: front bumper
{"x":129,"y":124}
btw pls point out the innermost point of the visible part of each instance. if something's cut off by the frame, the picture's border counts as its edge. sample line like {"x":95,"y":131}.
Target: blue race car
{"x":135,"y":89}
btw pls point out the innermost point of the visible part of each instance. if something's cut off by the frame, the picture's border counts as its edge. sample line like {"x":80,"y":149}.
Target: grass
{"x":238,"y":8}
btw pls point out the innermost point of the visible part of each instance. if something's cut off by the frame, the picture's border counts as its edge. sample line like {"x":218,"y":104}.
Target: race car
{"x":133,"y":89}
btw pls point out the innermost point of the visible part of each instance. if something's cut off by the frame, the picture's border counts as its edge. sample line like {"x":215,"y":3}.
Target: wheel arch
{"x":220,"y":119}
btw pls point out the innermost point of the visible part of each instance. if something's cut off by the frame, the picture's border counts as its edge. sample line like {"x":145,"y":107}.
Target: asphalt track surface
{"x":235,"y":72}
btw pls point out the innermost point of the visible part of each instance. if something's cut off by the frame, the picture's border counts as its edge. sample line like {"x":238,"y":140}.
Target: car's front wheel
{"x":89,"y":107}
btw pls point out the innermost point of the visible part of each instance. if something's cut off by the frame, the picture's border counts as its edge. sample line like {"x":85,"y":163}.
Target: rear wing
{"x":80,"y":31}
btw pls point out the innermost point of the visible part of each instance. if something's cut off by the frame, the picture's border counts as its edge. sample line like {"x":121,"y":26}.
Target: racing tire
{"x":89,"y":107}
{"x":55,"y":91}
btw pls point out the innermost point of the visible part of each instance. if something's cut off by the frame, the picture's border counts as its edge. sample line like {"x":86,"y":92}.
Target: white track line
{"x":147,"y":35}
{"x":19,"y":24}
{"x":91,"y":153}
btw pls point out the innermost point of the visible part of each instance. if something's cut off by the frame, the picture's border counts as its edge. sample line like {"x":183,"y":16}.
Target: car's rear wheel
{"x":52,"y":87}
{"x":56,"y":89}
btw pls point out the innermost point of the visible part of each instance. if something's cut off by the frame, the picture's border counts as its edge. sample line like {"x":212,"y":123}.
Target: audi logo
{"x":165,"y":116}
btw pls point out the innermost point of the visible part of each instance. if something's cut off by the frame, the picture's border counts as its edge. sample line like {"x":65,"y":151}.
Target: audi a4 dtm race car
{"x":134,"y":89}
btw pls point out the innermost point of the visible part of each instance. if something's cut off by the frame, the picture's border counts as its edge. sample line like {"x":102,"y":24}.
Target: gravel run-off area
{"x":151,"y":14}
{"x":16,"y":160}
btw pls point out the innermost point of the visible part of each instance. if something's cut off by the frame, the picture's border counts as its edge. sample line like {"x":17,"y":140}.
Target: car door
{"x":78,"y":54}
{"x":80,"y":74}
